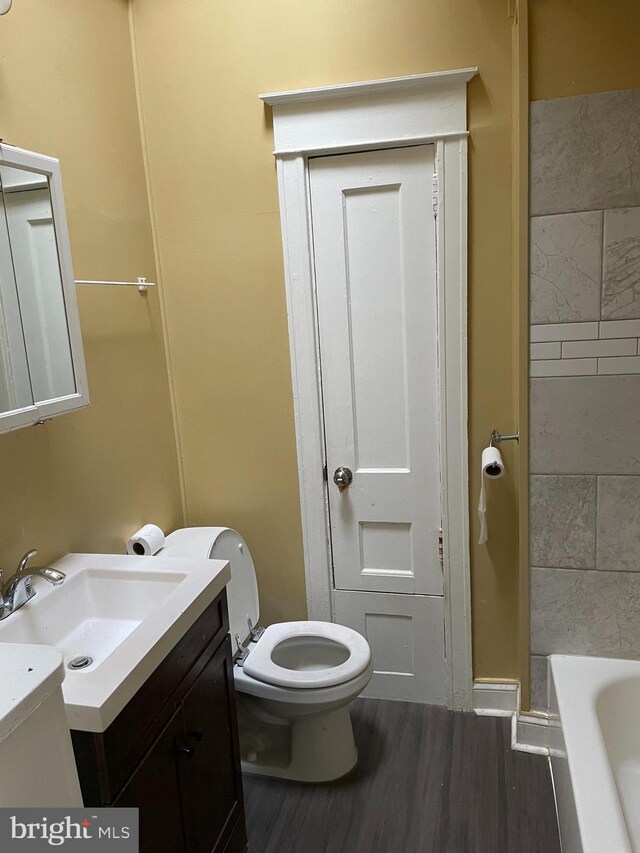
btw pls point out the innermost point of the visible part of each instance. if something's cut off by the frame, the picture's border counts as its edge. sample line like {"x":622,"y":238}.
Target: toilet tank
{"x":223,"y":543}
{"x":37,"y":766}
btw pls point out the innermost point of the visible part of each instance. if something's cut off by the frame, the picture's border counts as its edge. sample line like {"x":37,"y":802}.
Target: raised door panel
{"x":154,"y":789}
{"x":406,"y":635}
{"x":375,"y":264}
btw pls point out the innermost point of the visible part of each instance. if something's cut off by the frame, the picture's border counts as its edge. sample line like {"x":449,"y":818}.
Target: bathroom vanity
{"x":148,"y":693}
{"x":173,"y":749}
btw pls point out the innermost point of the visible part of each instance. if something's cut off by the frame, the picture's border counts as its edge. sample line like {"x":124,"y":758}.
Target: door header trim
{"x":381,"y":112}
{"x":370,"y":87}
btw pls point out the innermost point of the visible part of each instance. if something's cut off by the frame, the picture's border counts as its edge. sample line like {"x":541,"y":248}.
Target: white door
{"x":375,"y":266}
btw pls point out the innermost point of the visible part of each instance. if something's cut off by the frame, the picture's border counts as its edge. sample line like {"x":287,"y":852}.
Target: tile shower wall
{"x":585,"y":379}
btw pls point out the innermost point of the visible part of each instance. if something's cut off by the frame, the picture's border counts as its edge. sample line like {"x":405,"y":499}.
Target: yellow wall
{"x":86,"y":481}
{"x":582,"y":46}
{"x":209,"y":142}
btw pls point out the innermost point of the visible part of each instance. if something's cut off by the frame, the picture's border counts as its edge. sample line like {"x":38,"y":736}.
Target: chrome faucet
{"x":19,"y":589}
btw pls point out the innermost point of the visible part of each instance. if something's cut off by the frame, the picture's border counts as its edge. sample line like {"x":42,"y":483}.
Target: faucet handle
{"x":22,"y":565}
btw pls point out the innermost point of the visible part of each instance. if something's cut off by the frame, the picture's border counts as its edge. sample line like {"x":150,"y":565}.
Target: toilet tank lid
{"x":223,"y":543}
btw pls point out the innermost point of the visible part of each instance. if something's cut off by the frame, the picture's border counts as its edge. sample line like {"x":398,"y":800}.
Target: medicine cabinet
{"x":42,"y":368}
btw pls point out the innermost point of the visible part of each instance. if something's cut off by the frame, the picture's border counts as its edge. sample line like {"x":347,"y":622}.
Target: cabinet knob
{"x":196,"y":734}
{"x":186,"y":750}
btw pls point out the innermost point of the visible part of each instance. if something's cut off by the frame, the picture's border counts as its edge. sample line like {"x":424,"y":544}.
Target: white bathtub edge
{"x":589,"y":811}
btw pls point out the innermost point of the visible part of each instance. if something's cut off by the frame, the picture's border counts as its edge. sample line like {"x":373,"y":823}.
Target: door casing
{"x":420,"y":109}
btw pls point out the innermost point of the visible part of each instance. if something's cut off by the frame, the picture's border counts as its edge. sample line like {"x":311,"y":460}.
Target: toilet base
{"x":314,"y":748}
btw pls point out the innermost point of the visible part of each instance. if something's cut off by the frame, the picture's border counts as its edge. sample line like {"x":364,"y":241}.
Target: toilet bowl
{"x":294,"y":680}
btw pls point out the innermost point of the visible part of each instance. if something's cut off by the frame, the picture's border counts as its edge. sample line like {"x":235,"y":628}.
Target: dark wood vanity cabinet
{"x":173,"y":750}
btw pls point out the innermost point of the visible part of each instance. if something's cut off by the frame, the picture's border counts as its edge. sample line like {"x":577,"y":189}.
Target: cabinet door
{"x":154,"y":789}
{"x":211,"y":783}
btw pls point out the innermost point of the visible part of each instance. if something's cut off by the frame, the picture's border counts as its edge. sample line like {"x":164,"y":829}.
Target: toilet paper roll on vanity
{"x":492,"y":469}
{"x":146,"y":542}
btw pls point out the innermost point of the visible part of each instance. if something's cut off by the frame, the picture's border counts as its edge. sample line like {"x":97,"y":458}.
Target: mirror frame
{"x":47,"y":409}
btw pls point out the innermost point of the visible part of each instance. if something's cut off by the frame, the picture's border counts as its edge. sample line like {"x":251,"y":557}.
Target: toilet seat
{"x":260,"y":663}
{"x":303,"y":698}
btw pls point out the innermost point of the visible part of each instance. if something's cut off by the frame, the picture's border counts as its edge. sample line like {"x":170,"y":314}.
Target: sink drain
{"x":80,"y":662}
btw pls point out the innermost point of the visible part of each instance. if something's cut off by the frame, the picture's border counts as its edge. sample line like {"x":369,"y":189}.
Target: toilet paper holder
{"x":496,"y":438}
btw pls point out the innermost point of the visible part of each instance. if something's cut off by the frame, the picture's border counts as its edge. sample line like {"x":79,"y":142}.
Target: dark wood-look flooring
{"x":428,"y":781}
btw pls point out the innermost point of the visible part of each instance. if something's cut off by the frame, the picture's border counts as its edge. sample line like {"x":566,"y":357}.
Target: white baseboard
{"x":495,"y":698}
{"x":537,"y":734}
{"x":529,"y":732}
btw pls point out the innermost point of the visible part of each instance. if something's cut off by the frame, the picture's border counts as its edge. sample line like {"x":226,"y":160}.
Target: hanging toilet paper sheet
{"x":146,"y":542}
{"x":492,"y":469}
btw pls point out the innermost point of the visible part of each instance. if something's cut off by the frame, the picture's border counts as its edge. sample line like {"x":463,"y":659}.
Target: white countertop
{"x":158,"y":598}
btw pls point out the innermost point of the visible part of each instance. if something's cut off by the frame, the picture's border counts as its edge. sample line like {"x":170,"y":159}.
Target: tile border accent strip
{"x":605,"y":348}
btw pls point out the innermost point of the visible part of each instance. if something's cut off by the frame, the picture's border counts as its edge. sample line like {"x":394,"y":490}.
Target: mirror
{"x":42,"y":370}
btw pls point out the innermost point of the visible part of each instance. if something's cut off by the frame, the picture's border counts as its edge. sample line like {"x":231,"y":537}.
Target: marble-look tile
{"x":538,"y":684}
{"x":621,"y":264}
{"x":566,"y":264}
{"x":562,"y":518}
{"x":585,"y":425}
{"x":585,"y":613}
{"x":585,"y":152}
{"x":618,"y":524}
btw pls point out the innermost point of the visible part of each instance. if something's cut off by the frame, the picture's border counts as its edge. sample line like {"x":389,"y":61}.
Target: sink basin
{"x":92,"y":612}
{"x":118,"y":616}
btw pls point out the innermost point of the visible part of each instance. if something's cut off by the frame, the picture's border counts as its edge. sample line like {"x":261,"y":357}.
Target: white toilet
{"x":295,"y":680}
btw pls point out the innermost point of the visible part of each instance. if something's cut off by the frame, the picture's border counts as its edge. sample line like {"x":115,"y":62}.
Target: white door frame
{"x":396,"y":112}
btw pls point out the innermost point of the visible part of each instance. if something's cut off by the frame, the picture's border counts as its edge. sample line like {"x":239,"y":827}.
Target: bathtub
{"x":594,"y":746}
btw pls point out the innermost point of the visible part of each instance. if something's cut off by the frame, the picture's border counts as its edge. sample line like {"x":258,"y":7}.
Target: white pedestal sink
{"x":123,"y":612}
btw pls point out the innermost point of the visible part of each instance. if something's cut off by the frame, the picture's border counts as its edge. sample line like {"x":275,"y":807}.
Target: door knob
{"x":342,"y":477}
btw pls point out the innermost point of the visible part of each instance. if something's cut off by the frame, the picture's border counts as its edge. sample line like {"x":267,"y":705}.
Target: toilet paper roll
{"x":492,"y":468}
{"x":492,"y":464}
{"x":146,"y":542}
